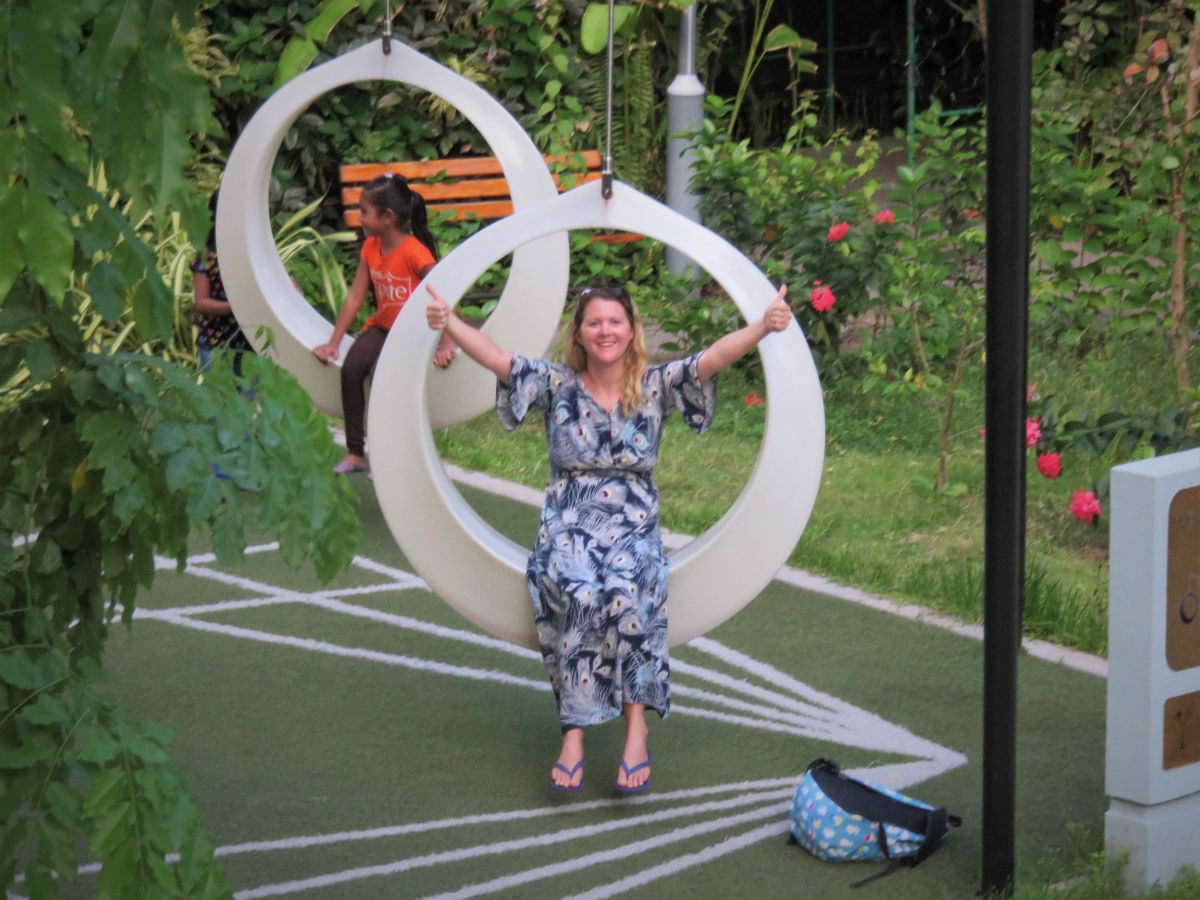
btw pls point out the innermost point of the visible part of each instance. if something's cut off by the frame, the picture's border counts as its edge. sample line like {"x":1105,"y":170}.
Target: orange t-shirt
{"x":394,"y":277}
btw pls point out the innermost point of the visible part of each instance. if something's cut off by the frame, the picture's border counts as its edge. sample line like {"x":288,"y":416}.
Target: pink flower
{"x":884,"y":217}
{"x":1084,"y":506}
{"x":821,"y":298}
{"x":752,"y":399}
{"x":838,"y":231}
{"x":1050,"y":465}
{"x":1033,"y":432}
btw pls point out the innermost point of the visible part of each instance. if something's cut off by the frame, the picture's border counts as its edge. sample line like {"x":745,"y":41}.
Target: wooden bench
{"x":471,"y":187}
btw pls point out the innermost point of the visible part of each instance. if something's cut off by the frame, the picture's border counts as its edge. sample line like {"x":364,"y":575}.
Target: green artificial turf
{"x":282,"y":742}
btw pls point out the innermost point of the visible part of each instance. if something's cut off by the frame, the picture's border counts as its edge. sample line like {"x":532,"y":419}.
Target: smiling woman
{"x":597,"y":574}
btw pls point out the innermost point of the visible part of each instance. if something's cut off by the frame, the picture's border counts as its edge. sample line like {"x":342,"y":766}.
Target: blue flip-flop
{"x":628,"y":771}
{"x":570,"y":773}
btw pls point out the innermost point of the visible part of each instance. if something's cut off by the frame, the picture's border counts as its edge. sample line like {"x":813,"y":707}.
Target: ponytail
{"x":420,"y":224}
{"x":393,"y":192}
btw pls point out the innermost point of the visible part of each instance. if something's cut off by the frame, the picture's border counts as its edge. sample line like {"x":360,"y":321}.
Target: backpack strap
{"x":892,"y":866}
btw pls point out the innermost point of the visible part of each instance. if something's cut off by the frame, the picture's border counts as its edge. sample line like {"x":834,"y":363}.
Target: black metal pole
{"x":1009,"y":52}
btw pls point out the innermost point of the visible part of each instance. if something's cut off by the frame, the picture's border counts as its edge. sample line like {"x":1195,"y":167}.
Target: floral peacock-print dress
{"x":597,"y":574}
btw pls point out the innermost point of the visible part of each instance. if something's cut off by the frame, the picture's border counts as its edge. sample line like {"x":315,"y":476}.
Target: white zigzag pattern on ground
{"x":787,"y":705}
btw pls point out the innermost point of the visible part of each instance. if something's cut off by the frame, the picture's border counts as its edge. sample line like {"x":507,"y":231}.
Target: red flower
{"x":884,"y":217}
{"x":838,"y":231}
{"x":1050,"y":465}
{"x":821,"y":298}
{"x":752,"y":399}
{"x":1033,"y":432}
{"x":1084,"y":506}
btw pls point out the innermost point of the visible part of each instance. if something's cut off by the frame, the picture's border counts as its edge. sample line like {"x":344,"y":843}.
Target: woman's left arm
{"x":729,"y":349}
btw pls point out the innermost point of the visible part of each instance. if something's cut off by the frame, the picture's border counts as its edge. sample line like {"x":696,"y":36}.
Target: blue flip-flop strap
{"x":637,"y":768}
{"x":571,"y":772}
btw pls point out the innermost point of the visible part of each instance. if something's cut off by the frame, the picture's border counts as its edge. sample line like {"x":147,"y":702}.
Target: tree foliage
{"x":111,"y":459}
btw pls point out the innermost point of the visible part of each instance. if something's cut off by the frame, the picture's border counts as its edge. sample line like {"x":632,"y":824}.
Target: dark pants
{"x":358,"y":367}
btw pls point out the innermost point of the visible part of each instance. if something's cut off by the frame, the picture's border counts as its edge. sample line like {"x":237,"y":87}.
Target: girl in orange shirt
{"x":397,"y":253}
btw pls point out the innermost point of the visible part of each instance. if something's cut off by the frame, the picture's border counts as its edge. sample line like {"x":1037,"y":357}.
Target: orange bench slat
{"x":475,"y":190}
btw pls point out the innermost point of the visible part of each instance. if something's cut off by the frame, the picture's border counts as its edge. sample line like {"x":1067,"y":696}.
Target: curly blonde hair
{"x":635,"y":354}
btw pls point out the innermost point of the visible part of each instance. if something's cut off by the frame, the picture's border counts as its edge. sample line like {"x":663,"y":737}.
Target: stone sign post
{"x":1152,"y":774}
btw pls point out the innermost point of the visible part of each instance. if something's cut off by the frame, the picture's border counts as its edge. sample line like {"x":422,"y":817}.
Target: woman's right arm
{"x":473,"y":342}
{"x":330,"y":350}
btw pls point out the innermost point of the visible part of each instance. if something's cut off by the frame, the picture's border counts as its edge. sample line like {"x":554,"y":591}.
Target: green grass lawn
{"x":878,"y":524}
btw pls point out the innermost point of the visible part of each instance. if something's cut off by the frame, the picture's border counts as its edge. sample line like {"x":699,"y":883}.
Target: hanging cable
{"x":387,"y":28}
{"x":606,"y":170}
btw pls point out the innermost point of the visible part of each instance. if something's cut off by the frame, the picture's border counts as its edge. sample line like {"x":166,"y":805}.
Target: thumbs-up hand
{"x":778,"y":313}
{"x":437,"y":312}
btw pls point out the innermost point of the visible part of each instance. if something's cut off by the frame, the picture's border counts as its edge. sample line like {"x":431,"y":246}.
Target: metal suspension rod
{"x":606,"y":170}
{"x":387,"y":28}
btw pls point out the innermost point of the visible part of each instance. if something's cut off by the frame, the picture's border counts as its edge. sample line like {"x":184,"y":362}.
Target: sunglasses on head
{"x":616,"y":291}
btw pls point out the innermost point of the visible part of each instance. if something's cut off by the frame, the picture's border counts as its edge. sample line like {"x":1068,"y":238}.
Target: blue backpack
{"x":840,"y":818}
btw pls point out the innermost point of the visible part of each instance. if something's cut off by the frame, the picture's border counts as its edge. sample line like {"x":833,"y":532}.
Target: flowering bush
{"x":1098,"y":441}
{"x":803,"y":211}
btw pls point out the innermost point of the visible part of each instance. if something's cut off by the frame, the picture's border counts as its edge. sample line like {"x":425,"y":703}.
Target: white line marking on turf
{"x":802,"y":710}
{"x":838,"y":722}
{"x":391,"y":659}
{"x":1072,"y":659}
{"x":769,"y":717}
{"x":173,"y":617}
{"x":741,"y":686}
{"x":679,"y":864}
{"x":617,"y":854}
{"x":401,"y":581}
{"x":771,"y":785}
{"x":293,"y":843}
{"x":764,"y":711}
{"x":510,"y":846}
{"x":221,"y":606}
{"x":166,"y":562}
{"x":767,"y":714}
{"x":857,"y":727}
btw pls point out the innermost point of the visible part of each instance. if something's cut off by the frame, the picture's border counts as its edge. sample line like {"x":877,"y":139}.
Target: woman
{"x":597,"y":574}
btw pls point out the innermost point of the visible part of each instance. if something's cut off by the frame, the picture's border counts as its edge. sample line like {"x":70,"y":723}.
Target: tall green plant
{"x":1114,"y":153}
{"x":113,"y":453}
{"x":1168,"y":50}
{"x":781,"y":37}
{"x":934,"y":291}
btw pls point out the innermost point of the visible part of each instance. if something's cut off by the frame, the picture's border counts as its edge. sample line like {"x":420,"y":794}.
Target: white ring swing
{"x":468,"y":564}
{"x":481,"y":573}
{"x":260,"y":289}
